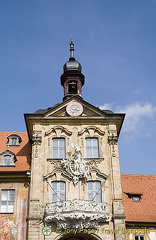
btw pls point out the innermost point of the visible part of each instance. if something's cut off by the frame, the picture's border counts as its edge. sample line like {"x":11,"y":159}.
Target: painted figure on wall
{"x":8,"y":230}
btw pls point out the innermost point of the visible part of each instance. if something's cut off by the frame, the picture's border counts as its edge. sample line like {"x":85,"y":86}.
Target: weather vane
{"x":71,"y":37}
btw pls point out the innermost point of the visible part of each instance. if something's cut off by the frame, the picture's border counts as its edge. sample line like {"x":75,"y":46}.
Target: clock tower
{"x":75,"y":187}
{"x":72,"y":79}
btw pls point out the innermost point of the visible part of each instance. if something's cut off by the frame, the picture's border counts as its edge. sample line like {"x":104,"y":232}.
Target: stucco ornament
{"x":75,"y":166}
{"x":76,"y":214}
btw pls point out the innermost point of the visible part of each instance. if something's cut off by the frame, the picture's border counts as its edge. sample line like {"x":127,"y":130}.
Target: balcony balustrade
{"x":76,"y":214}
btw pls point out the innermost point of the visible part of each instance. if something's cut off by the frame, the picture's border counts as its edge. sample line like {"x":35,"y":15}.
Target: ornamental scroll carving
{"x":75,"y":167}
{"x":76,"y":214}
{"x":91,"y":129}
{"x":58,"y":130}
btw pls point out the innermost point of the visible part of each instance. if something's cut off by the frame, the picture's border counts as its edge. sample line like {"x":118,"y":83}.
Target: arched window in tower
{"x":72,"y":87}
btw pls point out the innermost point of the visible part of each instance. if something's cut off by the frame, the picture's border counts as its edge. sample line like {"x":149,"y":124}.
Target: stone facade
{"x":105,"y":218}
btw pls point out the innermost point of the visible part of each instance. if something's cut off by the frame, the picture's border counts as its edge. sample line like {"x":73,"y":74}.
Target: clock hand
{"x":75,"y":109}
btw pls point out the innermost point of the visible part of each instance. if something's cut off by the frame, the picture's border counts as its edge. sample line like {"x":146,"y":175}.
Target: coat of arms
{"x":75,"y":166}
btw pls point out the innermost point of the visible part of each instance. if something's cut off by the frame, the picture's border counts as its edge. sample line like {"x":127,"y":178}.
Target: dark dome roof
{"x":72,"y":65}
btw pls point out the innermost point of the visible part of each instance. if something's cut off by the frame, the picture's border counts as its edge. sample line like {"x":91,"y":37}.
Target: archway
{"x":80,"y":237}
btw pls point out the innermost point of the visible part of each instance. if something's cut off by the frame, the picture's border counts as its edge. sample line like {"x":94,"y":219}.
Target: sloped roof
{"x":21,"y":152}
{"x":58,"y":113}
{"x":145,"y":210}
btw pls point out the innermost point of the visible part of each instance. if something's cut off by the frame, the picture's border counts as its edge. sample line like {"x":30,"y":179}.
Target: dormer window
{"x":136,"y":197}
{"x":14,"y":140}
{"x":7,"y":159}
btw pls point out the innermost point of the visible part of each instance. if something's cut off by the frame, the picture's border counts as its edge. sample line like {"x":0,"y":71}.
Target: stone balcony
{"x":76,"y":214}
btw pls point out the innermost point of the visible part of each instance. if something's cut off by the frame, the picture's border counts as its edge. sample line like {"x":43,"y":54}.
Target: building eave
{"x":14,"y":176}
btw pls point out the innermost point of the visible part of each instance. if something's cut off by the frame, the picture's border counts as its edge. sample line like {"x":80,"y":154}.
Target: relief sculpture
{"x":75,"y":166}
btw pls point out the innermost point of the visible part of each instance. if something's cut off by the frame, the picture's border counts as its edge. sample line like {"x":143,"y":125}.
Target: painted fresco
{"x":13,"y":226}
{"x":8,"y":229}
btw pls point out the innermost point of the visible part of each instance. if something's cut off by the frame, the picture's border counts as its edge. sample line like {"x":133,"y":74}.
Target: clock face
{"x":74,"y":109}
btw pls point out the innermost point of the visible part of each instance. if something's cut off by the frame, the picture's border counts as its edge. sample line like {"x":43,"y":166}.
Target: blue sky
{"x":115,"y":42}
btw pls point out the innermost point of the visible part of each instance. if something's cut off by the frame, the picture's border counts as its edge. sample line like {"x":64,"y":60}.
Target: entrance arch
{"x":80,"y":237}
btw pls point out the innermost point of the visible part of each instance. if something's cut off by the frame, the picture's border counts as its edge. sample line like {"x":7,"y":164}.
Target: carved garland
{"x":36,"y":139}
{"x":112,"y":140}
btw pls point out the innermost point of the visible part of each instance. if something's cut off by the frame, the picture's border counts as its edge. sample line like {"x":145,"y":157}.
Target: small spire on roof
{"x":71,"y":52}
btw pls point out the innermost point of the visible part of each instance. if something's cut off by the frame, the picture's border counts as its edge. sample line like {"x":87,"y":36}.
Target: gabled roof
{"x":145,"y":186}
{"x":58,"y":113}
{"x":22,"y":152}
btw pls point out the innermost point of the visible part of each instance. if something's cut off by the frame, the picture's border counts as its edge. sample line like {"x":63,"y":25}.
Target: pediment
{"x":7,"y":152}
{"x":60,"y":110}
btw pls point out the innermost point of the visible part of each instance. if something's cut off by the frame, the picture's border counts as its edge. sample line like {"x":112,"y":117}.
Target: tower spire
{"x":71,"y":52}
{"x":72,"y":79}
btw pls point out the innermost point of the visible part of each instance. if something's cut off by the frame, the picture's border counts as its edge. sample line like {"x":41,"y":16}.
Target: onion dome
{"x":72,"y":79}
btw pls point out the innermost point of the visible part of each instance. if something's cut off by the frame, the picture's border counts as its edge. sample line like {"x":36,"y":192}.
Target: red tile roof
{"x":145,"y":210}
{"x":21,"y":152}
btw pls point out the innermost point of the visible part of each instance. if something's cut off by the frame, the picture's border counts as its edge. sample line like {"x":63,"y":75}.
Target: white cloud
{"x":136,"y":114}
{"x":107,"y":106}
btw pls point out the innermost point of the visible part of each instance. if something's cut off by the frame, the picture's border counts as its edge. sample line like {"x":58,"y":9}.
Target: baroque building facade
{"x":75,"y":174}
{"x":71,"y":187}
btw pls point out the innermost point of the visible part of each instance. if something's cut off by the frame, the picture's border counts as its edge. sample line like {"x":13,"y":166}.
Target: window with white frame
{"x":58,"y":191}
{"x":7,"y":160}
{"x":14,"y":140}
{"x":7,"y":201}
{"x":136,"y":198}
{"x":94,"y":191}
{"x":139,"y":237}
{"x":92,"y":148}
{"x":58,"y":148}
